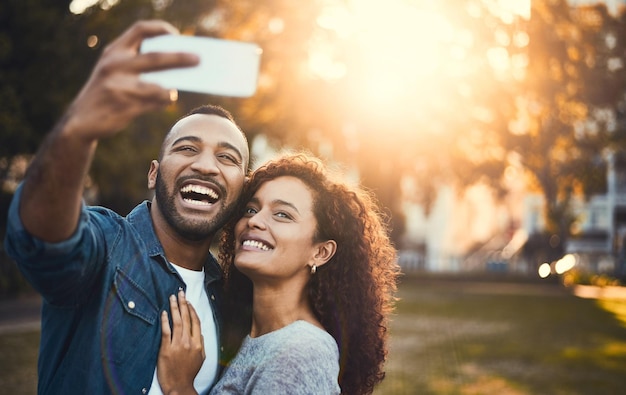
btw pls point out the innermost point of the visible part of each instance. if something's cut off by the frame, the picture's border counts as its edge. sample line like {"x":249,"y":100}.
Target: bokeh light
{"x":564,"y":264}
{"x":544,"y":270}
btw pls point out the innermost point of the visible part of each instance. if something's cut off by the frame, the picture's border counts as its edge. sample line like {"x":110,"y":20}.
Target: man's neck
{"x":181,"y":251}
{"x":189,"y":256}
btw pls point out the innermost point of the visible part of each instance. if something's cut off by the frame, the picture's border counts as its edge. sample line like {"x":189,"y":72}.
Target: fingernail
{"x":173,"y":95}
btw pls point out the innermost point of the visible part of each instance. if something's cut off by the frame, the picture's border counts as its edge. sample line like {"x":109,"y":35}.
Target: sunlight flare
{"x":408,"y":51}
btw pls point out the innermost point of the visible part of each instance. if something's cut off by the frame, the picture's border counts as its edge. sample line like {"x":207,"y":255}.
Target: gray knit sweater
{"x":297,"y":359}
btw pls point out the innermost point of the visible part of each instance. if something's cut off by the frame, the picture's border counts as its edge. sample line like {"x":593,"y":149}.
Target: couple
{"x":310,"y":274}
{"x":296,"y":256}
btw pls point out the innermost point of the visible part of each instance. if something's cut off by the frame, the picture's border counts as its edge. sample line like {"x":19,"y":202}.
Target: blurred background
{"x":493,"y":132}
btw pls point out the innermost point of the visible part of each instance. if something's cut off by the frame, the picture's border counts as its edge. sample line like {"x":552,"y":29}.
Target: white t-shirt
{"x":196,"y":294}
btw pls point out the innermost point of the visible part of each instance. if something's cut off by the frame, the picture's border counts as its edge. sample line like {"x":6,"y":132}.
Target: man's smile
{"x":199,"y":195}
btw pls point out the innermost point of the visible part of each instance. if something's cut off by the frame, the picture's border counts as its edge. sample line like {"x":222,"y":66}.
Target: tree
{"x":416,"y":137}
{"x":42,"y":61}
{"x":120,"y":166}
{"x":451,"y":124}
{"x":569,"y":83}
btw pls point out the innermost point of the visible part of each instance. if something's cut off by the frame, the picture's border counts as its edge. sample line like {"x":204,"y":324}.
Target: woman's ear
{"x":325,"y":251}
{"x":152,"y":174}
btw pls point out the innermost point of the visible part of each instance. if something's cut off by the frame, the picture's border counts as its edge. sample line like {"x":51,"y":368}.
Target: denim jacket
{"x":103,"y":291}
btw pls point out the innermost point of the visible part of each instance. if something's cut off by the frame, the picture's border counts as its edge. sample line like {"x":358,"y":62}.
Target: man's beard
{"x":188,"y":229}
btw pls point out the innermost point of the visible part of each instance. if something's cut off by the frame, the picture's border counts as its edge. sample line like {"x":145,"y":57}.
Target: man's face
{"x":200,"y":175}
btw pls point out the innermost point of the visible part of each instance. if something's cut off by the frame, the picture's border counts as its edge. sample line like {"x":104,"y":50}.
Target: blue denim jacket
{"x":103,"y":291}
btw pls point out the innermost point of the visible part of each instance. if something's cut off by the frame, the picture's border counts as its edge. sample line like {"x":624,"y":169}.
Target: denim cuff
{"x":20,"y":243}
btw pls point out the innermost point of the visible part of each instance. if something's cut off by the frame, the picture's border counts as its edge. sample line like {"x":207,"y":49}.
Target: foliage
{"x":466,"y":122}
{"x":12,"y":283}
{"x":43,"y":62}
{"x":569,"y":82}
{"x":577,"y":276}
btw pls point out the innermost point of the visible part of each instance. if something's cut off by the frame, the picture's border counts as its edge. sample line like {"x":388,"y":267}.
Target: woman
{"x":311,"y":275}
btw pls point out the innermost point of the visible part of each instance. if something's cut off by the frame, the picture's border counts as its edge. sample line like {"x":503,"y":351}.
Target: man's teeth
{"x":256,"y":244}
{"x":199,"y":189}
{"x":197,"y":202}
{"x":194,"y":194}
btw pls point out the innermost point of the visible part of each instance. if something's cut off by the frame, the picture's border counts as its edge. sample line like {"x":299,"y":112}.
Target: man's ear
{"x":152,"y":174}
{"x":324,"y":251}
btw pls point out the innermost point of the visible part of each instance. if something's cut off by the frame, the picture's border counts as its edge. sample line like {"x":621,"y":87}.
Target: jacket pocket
{"x":130,"y":319}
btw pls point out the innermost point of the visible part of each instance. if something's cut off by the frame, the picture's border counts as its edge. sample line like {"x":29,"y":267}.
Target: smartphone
{"x":226,"y":68}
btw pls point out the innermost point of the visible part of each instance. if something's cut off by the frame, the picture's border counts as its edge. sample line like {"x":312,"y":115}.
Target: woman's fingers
{"x":185,"y":322}
{"x":166,"y":331}
{"x":177,"y":323}
{"x":183,"y":307}
{"x":180,"y":356}
{"x":196,"y":331}
{"x":194,"y":321}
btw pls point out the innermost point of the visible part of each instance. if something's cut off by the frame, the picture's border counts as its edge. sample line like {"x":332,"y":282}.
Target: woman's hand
{"x":182,"y":348}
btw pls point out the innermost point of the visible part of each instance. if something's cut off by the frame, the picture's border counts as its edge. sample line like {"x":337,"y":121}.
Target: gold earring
{"x":313,"y":269}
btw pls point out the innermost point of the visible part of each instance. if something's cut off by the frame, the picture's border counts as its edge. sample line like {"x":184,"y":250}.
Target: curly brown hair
{"x":352,"y":294}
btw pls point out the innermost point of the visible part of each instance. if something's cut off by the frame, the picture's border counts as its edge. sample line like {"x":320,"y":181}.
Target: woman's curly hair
{"x":353,"y":293}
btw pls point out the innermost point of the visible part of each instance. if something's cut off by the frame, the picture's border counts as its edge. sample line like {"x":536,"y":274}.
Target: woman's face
{"x":274,"y":238}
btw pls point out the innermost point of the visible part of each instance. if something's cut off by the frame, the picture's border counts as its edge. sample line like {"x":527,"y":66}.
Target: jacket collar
{"x":141,"y":221}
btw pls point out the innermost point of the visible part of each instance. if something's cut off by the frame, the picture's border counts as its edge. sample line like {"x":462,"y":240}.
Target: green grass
{"x":465,"y":337}
{"x":452,"y":337}
{"x":18,"y":363}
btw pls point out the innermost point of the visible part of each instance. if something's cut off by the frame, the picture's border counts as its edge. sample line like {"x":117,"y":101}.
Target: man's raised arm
{"x":112,"y":97}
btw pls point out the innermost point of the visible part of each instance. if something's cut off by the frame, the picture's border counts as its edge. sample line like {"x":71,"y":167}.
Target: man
{"x":106,"y":279}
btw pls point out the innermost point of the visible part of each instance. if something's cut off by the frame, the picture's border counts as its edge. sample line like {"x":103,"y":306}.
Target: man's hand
{"x":111,"y":98}
{"x":182,"y":349}
{"x":114,"y":94}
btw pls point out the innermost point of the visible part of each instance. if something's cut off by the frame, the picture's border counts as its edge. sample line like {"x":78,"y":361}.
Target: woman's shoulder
{"x":299,"y":336}
{"x":303,"y":337}
{"x":307,"y":357}
{"x":306,"y":331}
{"x":299,"y":358}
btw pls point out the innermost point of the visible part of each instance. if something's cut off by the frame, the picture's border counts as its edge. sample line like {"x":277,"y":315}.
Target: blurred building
{"x":599,"y":243}
{"x":472,"y":231}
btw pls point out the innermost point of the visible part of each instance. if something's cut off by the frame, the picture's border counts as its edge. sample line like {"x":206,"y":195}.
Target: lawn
{"x":466,"y":338}
{"x":470,"y":338}
{"x":18,"y":363}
